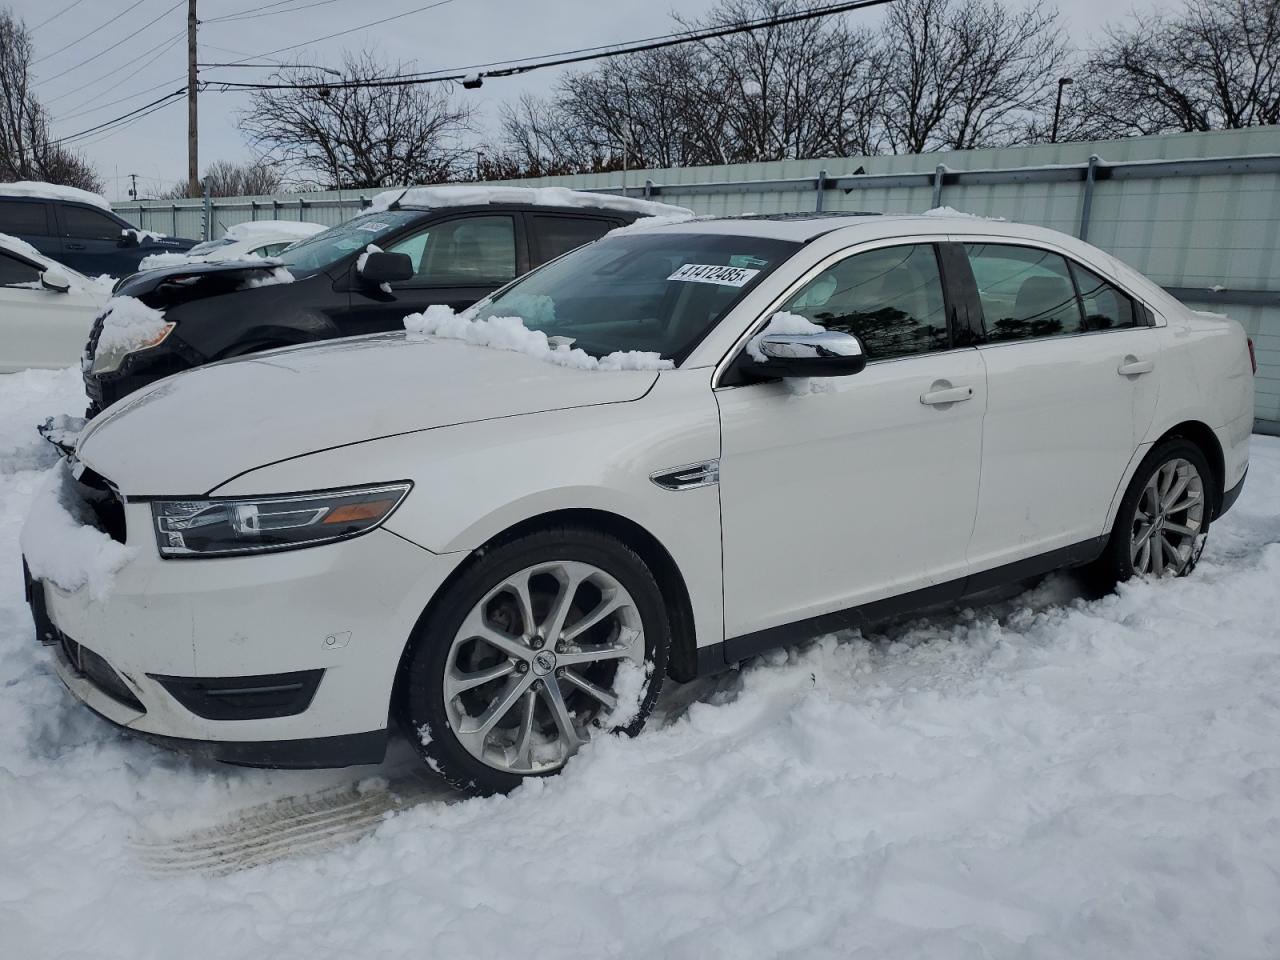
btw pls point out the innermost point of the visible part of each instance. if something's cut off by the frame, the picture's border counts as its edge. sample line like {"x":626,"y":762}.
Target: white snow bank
{"x":130,"y":324}
{"x":273,"y":229}
{"x":61,"y":546}
{"x":51,"y":191}
{"x":510,"y":333}
{"x":452,"y":195}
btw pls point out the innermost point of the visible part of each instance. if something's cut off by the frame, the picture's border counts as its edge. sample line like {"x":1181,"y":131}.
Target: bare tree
{"x":967,"y":73}
{"x":1215,"y":64}
{"x":227,"y":179}
{"x":27,"y":150}
{"x":355,"y":135}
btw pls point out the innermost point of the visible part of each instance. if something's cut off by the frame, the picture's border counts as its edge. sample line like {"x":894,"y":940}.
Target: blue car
{"x":79,"y":229}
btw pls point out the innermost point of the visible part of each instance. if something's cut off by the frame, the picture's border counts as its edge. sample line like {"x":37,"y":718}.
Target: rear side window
{"x":14,"y":272}
{"x":559,"y":235}
{"x":1105,"y":307}
{"x":23,"y":217}
{"x":81,"y":223}
{"x":1026,"y":293}
{"x":890,"y":298}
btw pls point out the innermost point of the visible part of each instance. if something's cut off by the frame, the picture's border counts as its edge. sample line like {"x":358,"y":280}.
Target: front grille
{"x":101,"y":674}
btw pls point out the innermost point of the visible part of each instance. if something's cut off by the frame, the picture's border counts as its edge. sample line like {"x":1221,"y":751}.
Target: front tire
{"x":1164,"y":518}
{"x":544,"y":641}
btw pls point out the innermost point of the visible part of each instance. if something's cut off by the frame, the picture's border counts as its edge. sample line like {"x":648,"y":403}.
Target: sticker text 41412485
{"x":714,"y":273}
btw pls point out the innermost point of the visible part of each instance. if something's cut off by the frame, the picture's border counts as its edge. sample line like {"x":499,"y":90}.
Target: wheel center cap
{"x":543,"y":663}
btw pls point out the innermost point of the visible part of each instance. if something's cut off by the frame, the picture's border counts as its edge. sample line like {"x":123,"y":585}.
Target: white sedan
{"x":46,"y":309}
{"x":253,"y":238}
{"x":665,"y":452}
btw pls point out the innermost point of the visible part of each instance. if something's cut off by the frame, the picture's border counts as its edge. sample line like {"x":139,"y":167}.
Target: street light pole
{"x":1057,"y":108}
{"x":193,"y":125}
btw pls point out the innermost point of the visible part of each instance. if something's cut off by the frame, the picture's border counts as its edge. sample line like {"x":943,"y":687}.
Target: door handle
{"x":1133,"y":367}
{"x":74,"y":246}
{"x":947,"y":394}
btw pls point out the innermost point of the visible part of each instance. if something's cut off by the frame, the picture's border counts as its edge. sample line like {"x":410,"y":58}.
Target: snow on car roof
{"x":254,"y":229}
{"x":52,"y":191}
{"x":459,"y":195}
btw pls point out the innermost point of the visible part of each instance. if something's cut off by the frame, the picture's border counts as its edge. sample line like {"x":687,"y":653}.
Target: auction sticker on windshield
{"x":714,"y":273}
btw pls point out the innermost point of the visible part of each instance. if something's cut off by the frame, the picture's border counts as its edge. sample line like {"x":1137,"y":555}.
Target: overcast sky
{"x":457,"y":33}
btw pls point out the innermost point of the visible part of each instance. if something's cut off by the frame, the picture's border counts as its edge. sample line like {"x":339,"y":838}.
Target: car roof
{"x":804,"y":227}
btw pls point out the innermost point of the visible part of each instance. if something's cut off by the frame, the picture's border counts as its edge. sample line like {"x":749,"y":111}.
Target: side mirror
{"x":386,"y":267}
{"x":55,"y":280}
{"x":128,"y":238}
{"x":826,"y":354}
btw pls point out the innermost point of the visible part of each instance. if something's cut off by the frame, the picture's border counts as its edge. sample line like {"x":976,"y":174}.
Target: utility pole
{"x":133,"y":190}
{"x":193,"y":129}
{"x":1057,"y":106}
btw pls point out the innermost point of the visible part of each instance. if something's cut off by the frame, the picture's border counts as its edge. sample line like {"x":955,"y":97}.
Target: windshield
{"x":657,"y":292}
{"x":325,"y":249}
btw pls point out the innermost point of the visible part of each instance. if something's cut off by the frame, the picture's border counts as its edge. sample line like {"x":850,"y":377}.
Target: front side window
{"x":658,"y":292}
{"x":81,"y":223}
{"x":327,"y":248}
{"x":1026,"y":292}
{"x":15,"y":272}
{"x":890,"y":298}
{"x":469,"y":251}
{"x":1105,"y":307}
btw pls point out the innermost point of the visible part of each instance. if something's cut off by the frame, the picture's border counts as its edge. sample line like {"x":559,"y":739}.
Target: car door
{"x":40,"y":327}
{"x":457,"y":261}
{"x":840,"y":492}
{"x":1072,"y":376}
{"x":91,"y":241}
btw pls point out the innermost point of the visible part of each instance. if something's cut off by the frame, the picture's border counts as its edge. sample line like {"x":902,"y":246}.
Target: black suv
{"x":451,"y":255}
{"x":84,"y":236}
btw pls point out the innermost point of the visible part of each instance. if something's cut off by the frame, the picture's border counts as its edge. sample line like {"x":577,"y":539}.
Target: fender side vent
{"x":688,"y":477}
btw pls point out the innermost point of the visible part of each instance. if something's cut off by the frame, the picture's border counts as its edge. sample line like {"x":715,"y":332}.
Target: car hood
{"x":193,"y":280}
{"x":188,"y":434}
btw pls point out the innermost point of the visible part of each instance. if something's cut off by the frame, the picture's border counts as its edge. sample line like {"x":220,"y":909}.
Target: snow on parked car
{"x":251,"y":239}
{"x":46,"y":309}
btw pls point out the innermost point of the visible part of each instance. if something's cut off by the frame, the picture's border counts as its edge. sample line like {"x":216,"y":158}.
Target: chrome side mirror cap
{"x":830,"y":353}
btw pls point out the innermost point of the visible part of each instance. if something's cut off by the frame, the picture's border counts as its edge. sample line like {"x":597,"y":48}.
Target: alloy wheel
{"x":539,"y":662}
{"x":1168,"y":524}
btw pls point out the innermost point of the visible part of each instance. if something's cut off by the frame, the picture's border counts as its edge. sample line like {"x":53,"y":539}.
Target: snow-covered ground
{"x":1042,"y":777}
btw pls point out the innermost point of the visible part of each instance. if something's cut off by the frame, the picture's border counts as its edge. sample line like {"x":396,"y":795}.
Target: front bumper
{"x":171,"y":637}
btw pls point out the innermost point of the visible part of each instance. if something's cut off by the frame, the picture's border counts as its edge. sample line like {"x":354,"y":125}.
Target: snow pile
{"x":455,"y":195}
{"x":269,"y":279}
{"x":61,"y":546}
{"x":156,"y":260}
{"x":954,"y":214}
{"x":52,"y":191}
{"x":510,"y":333}
{"x":364,"y":256}
{"x":648,"y":223}
{"x":268,"y":230}
{"x":130,"y":324}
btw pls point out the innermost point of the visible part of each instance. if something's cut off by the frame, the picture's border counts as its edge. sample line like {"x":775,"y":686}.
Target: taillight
{"x":1253,"y":357}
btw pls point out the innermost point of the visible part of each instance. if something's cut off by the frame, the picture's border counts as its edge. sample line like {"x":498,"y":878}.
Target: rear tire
{"x":1164,"y":518}
{"x":544,"y":641}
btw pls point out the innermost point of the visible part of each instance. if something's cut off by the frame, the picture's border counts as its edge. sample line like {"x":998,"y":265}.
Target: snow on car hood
{"x":190,"y":433}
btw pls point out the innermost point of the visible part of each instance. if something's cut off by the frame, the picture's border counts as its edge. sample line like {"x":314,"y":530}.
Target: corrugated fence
{"x":1199,"y":213}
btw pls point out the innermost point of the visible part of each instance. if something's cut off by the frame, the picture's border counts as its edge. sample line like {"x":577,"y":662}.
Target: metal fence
{"x":1198,"y":213}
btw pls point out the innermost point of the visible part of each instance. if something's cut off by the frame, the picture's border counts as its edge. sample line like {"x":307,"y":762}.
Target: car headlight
{"x":223,"y":527}
{"x":107,"y":358}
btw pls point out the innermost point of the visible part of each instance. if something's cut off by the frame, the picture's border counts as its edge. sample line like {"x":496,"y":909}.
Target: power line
{"x":266,"y":12}
{"x":116,"y":45}
{"x":521,"y":66}
{"x":66,"y":9}
{"x":162,"y":46}
{"x":341,"y":33}
{"x":68,"y":46}
{"x":182,"y":92}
